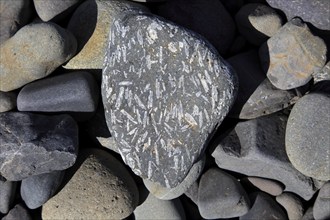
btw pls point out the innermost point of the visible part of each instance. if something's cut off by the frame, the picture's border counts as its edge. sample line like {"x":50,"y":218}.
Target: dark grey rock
{"x":256,"y":95}
{"x":154,"y":208}
{"x":307,"y":136}
{"x":46,"y":47}
{"x":220,"y":195}
{"x":315,"y":12}
{"x":271,"y":187}
{"x":321,"y":208}
{"x":308,"y":215}
{"x":36,"y":190}
{"x":19,"y":212}
{"x":294,"y":55}
{"x":14,"y":15}
{"x":264,"y":207}
{"x":34,"y":144}
{"x":323,"y":75}
{"x":257,"y":22}
{"x":256,"y":148}
{"x":162,"y":115}
{"x":192,"y":192}
{"x":7,"y":194}
{"x":70,"y":92}
{"x":7,"y":101}
{"x":292,"y":204}
{"x":208,"y":18}
{"x":54,"y":10}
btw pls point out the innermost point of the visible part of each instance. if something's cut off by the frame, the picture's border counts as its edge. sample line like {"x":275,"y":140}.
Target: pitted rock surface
{"x":165,"y":90}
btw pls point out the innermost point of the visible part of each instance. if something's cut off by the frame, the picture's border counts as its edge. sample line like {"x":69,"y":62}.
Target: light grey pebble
{"x":19,"y":212}
{"x":321,"y":208}
{"x":292,"y":204}
{"x":7,"y":194}
{"x":269,"y":186}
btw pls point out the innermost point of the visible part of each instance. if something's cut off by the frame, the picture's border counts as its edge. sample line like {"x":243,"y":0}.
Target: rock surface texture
{"x":164,"y":91}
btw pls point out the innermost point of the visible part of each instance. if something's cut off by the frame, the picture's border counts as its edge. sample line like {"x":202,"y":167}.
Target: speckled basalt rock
{"x":164,"y":90}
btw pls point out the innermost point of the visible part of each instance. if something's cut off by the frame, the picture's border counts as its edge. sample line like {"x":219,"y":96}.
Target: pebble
{"x":14,"y":15}
{"x":69,"y":92}
{"x":256,"y":148}
{"x":294,"y":55}
{"x":7,"y":194}
{"x":192,"y":192}
{"x":264,"y":207}
{"x":308,"y":215}
{"x":271,"y":187}
{"x":171,"y":193}
{"x":100,"y":188}
{"x":33,"y":144}
{"x":161,"y":115}
{"x":315,"y":12}
{"x":90,"y":24}
{"x":256,"y":94}
{"x":20,"y":65}
{"x":217,"y":27}
{"x":220,"y":195}
{"x":7,"y":101}
{"x":323,"y":75}
{"x":19,"y":212}
{"x":292,"y":204}
{"x":154,"y":208}
{"x":257,"y":22}
{"x":307,"y":136}
{"x":54,"y":10}
{"x":37,"y":190}
{"x":321,"y":206}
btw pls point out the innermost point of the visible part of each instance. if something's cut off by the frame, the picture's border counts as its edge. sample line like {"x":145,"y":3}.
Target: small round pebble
{"x":19,"y":212}
{"x":271,"y":187}
{"x":292,"y":204}
{"x":321,"y":209}
{"x":7,"y":194}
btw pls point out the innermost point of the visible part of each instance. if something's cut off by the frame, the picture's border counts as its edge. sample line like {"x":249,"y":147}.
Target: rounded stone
{"x":292,"y":204}
{"x":7,"y":101}
{"x":271,"y":187}
{"x":100,"y":188}
{"x":321,"y":206}
{"x":307,"y":136}
{"x":18,"y":212}
{"x":7,"y":194}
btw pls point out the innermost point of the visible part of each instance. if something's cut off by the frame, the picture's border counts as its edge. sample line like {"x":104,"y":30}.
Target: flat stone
{"x":19,"y":212}
{"x":14,"y":15}
{"x":208,"y":18}
{"x":271,"y":187}
{"x":257,"y":22}
{"x":69,"y":92}
{"x":100,"y":188}
{"x":164,"y":193}
{"x":54,"y":10}
{"x":264,"y":207}
{"x":37,"y":190}
{"x":7,"y":194}
{"x":321,"y":206}
{"x":7,"y":101}
{"x":307,"y":136}
{"x":154,"y":208}
{"x":20,"y":65}
{"x":323,"y":75}
{"x":292,"y":204}
{"x":294,"y":55}
{"x":315,"y":12}
{"x":91,"y":24}
{"x":33,"y":144}
{"x":256,"y":94}
{"x":256,"y":148}
{"x":162,"y":115}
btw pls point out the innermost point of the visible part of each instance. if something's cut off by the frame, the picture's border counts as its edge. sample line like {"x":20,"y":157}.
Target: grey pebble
{"x":308,"y":215}
{"x":321,"y":208}
{"x":322,"y":75}
{"x":19,"y":212}
{"x":269,"y":186}
{"x":7,"y":101}
{"x":292,"y":204}
{"x":7,"y":194}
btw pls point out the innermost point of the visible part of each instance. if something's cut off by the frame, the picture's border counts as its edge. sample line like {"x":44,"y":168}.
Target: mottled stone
{"x":164,"y":90}
{"x":208,"y":18}
{"x":164,"y":193}
{"x":292,"y":204}
{"x":19,"y":212}
{"x":315,"y":11}
{"x":34,"y":52}
{"x":37,"y":190}
{"x":91,"y":24}
{"x":220,"y":195}
{"x":271,"y":187}
{"x":321,"y":208}
{"x":257,"y":22}
{"x":256,"y":148}
{"x":69,"y":92}
{"x":7,"y":194}
{"x":322,"y":75}
{"x":13,"y":15}
{"x":100,"y":188}
{"x":264,"y":207}
{"x":54,"y":10}
{"x":256,"y":94}
{"x":307,"y":136}
{"x":33,"y":144}
{"x":154,"y":208}
{"x":294,"y":55}
{"x":7,"y":101}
